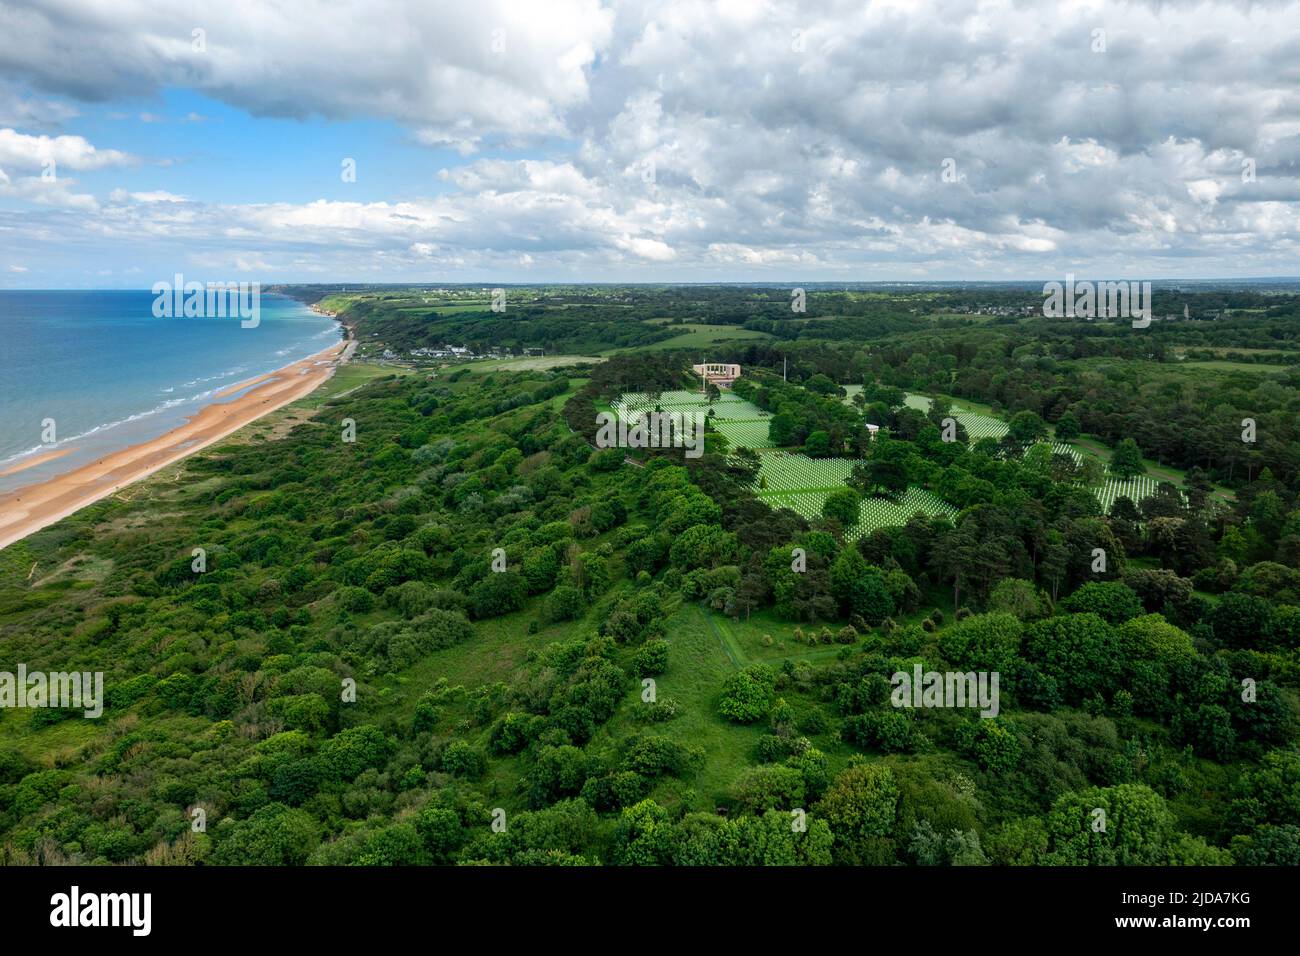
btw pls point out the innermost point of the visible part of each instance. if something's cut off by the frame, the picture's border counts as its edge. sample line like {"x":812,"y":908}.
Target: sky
{"x":611,"y":141}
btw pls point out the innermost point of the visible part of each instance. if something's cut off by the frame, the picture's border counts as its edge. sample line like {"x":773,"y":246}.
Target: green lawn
{"x":526,"y":363}
{"x":698,"y":663}
{"x":697,"y":337}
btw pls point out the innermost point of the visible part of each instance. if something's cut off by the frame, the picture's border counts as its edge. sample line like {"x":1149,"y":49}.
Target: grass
{"x":745,"y":638}
{"x":1260,"y":367}
{"x":698,"y":664}
{"x":743,"y":423}
{"x":697,"y":337}
{"x":526,"y":363}
{"x":803,"y":484}
{"x":978,"y":420}
{"x":974,"y":411}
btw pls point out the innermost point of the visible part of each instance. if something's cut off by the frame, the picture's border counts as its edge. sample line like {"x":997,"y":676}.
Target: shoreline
{"x":33,"y":461}
{"x":30,"y":508}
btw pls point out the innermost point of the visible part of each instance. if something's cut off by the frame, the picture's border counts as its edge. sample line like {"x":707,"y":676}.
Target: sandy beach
{"x":33,"y":507}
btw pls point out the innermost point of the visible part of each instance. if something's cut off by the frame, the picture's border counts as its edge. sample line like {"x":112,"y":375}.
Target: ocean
{"x":110,"y":374}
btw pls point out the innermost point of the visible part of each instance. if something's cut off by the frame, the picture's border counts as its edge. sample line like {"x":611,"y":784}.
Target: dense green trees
{"x":1159,"y":689}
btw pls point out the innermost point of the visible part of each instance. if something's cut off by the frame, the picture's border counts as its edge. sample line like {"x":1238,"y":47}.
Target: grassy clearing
{"x":697,"y":337}
{"x":526,"y":363}
{"x":1226,"y":366}
{"x":698,"y":664}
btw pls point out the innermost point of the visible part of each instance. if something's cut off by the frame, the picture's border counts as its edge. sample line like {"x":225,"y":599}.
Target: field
{"x":802,"y":484}
{"x":977,"y":424}
{"x":743,"y":423}
{"x":1135,"y":488}
{"x":700,"y":337}
{"x":526,"y":363}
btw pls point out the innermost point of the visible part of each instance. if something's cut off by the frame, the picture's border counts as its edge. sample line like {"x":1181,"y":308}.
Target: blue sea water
{"x":110,"y":374}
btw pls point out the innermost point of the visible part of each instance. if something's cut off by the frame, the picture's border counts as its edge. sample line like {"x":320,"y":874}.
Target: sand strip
{"x":34,"y":461}
{"x":33,"y":507}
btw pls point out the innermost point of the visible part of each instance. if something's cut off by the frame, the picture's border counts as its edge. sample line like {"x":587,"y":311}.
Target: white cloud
{"x":72,"y":152}
{"x":157,"y":195}
{"x":666,"y":139}
{"x":507,"y":66}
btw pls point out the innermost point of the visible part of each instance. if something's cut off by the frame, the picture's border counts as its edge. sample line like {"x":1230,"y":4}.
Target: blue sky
{"x":602,"y":140}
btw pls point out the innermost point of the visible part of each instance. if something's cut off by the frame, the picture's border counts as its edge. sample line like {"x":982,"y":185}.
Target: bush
{"x":747,"y":695}
{"x":462,"y":759}
{"x":651,"y":659}
{"x":498,"y":593}
{"x":355,"y":600}
{"x":1112,"y":601}
{"x":562,"y":604}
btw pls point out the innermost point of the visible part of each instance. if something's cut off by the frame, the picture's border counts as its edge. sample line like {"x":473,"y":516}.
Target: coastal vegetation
{"x":472,"y":636}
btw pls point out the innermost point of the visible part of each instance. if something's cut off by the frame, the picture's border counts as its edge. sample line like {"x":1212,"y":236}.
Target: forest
{"x":471,"y":636}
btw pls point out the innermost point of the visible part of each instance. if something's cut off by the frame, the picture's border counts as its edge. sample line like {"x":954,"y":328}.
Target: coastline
{"x":33,"y":462}
{"x":33,"y":507}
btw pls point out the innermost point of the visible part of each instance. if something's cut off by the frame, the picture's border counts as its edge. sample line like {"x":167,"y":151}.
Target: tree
{"x":817,"y":445}
{"x":643,"y":836}
{"x":1112,"y":601}
{"x":821,"y":385}
{"x":1138,"y":824}
{"x":861,"y":806}
{"x":842,"y":504}
{"x":954,"y":557}
{"x":275,"y":835}
{"x":885,"y":471}
{"x":770,"y":787}
{"x":1027,"y":428}
{"x":1079,"y":651}
{"x":983,"y":641}
{"x":1067,"y":427}
{"x":498,"y":593}
{"x":1242,"y":620}
{"x":1055,"y":561}
{"x":1016,"y":596}
{"x":993,"y":746}
{"x":1126,"y":461}
{"x":860,"y":588}
{"x":747,"y":694}
{"x":1198,"y":489}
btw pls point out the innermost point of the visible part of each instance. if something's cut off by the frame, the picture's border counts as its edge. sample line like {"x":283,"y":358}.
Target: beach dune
{"x":35,"y":506}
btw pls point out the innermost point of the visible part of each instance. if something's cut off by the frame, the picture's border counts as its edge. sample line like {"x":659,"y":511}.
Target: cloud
{"x":509,"y":67}
{"x":157,"y":195}
{"x":32,"y":113}
{"x":835,"y":139}
{"x":71,"y":152}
